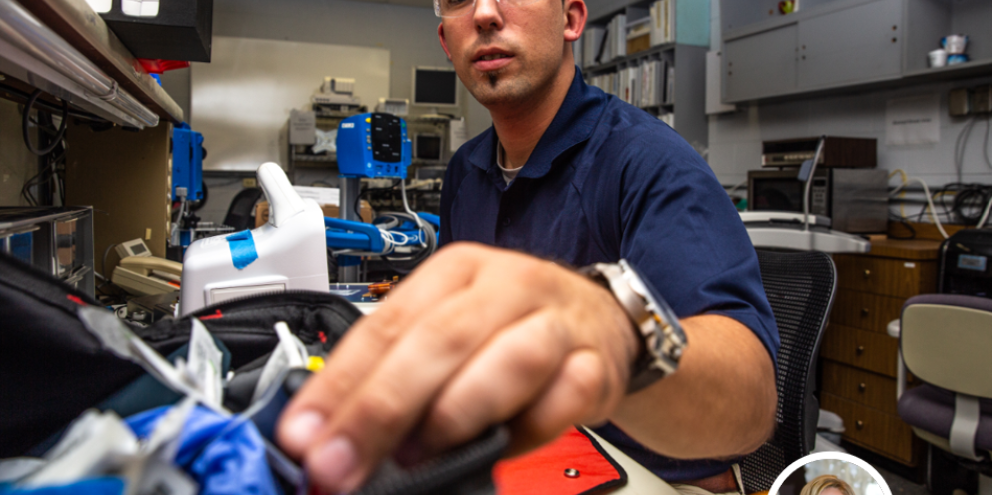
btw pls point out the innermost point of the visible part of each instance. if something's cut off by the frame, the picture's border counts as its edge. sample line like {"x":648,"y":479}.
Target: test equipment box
{"x":373,"y":145}
{"x":838,"y":152}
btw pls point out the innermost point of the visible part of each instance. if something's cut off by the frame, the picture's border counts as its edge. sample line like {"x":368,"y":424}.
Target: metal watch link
{"x":657,"y":327}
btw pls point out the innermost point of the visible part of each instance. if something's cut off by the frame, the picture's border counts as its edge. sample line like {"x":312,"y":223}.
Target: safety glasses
{"x":458,"y":8}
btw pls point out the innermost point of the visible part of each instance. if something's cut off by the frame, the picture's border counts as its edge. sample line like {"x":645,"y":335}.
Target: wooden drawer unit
{"x":859,"y":357}
{"x":864,"y":310}
{"x":863,"y":387}
{"x":871,"y":351}
{"x":873,"y":429}
{"x":884,"y":276}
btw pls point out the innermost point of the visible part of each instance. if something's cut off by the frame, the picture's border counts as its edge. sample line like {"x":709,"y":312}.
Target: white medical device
{"x":287,"y":253}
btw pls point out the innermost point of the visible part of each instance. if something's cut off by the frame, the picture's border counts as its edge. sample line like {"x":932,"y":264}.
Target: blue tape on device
{"x":242,"y":248}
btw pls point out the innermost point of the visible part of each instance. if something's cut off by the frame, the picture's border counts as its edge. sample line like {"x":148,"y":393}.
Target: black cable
{"x":971,"y":198}
{"x":358,"y":197}
{"x":906,"y":224}
{"x":25,"y":118}
{"x":52,"y":108}
{"x":404,"y":266}
{"x":36,"y":179}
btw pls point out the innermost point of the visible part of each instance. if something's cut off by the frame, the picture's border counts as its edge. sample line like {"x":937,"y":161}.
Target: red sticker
{"x":217,"y":314}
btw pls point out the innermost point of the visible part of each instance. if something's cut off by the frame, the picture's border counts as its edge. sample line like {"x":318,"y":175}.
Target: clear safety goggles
{"x":458,"y":8}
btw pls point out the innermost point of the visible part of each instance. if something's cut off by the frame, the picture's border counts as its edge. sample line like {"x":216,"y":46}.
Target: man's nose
{"x":487,"y":15}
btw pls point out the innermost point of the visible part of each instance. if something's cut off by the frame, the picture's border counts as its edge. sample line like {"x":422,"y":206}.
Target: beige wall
{"x":17,"y":164}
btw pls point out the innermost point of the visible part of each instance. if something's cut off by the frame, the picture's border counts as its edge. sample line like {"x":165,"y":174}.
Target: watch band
{"x":661,"y":338}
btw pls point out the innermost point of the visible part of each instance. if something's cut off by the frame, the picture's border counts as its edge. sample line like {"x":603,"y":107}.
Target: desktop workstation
{"x":729,"y":94}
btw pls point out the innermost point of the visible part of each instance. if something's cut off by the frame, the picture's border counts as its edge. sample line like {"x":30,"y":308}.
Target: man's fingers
{"x":513,"y":368}
{"x":575,"y":396}
{"x":381,"y":410}
{"x":368,"y":340}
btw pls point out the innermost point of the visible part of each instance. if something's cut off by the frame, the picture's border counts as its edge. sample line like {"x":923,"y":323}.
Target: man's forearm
{"x":720,"y":403}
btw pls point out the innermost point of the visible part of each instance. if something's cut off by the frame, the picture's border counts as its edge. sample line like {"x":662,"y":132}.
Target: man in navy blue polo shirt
{"x":497,"y":330}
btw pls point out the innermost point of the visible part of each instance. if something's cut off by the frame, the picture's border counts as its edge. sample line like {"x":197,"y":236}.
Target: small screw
{"x":894,"y":39}
{"x":571,"y":473}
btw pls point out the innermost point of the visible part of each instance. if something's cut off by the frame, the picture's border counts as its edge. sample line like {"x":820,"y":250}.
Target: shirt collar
{"x":572,"y":125}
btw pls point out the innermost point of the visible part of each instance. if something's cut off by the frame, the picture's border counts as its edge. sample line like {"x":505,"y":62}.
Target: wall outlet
{"x":981,"y":99}
{"x":970,"y":101}
{"x":959,"y":102}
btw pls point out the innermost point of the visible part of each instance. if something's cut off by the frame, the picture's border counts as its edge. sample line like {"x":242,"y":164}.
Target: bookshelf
{"x":657,"y":63}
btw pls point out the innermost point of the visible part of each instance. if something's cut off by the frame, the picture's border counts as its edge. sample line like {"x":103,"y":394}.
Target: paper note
{"x":459,"y":134}
{"x":911,"y":121}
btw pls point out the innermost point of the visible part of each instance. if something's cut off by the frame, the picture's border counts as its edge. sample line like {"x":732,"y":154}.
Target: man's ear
{"x":575,"y":18}
{"x":440,"y":36}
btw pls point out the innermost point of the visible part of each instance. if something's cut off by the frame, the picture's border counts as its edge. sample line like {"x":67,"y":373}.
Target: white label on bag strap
{"x":204,"y":364}
{"x":119,"y":339}
{"x":290,"y":353}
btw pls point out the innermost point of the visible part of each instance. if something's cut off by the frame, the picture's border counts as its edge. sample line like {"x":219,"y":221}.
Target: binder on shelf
{"x":670,"y":85}
{"x":662,"y":22}
{"x":592,"y":41}
{"x":577,"y":52}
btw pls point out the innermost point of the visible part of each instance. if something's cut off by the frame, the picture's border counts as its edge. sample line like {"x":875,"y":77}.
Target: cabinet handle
{"x":859,"y":424}
{"x":864,"y":311}
{"x":861,"y":387}
{"x":867,"y":273}
{"x":860,"y":350}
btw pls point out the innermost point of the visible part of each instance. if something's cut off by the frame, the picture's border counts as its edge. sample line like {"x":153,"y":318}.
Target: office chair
{"x":800,"y":288}
{"x":239,"y":214}
{"x":946,"y":342}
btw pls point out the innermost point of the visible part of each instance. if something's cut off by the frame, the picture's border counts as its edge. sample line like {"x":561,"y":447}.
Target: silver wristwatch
{"x":657,"y":327}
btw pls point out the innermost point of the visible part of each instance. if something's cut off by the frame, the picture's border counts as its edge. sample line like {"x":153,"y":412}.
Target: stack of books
{"x":662,"y":13}
{"x":648,"y":84}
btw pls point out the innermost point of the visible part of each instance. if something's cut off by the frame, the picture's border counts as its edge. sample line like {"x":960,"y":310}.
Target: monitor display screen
{"x":427,"y":147}
{"x":437,"y":87}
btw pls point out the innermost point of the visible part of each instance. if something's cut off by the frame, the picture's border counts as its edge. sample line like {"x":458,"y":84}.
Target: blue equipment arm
{"x":430,"y":218}
{"x":347,"y":234}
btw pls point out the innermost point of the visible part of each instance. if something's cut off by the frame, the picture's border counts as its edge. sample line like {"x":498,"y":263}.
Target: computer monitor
{"x":427,"y":147}
{"x":435,"y":86}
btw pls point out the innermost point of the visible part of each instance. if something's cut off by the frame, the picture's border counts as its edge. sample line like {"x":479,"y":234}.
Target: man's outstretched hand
{"x":476,"y":336}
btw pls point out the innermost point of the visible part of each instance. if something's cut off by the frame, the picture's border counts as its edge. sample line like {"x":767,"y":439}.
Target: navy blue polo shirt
{"x":609,"y":181}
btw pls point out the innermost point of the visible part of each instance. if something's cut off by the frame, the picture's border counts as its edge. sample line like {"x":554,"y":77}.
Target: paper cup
{"x":938,"y":58}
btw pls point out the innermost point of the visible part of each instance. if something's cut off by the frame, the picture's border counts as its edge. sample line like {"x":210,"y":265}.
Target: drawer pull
{"x":861,"y":387}
{"x":860,"y":350}
{"x":864,"y":311}
{"x":859,"y":424}
{"x":867,"y":273}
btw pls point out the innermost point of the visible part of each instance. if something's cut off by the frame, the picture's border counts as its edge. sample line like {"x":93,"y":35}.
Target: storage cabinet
{"x":860,"y":43}
{"x":760,"y":65}
{"x":833,"y":44}
{"x":858,"y":357}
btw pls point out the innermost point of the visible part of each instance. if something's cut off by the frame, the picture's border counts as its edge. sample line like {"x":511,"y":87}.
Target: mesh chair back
{"x":800,"y":289}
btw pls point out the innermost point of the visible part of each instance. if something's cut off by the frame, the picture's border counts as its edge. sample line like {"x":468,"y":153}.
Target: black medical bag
{"x":52,"y":368}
